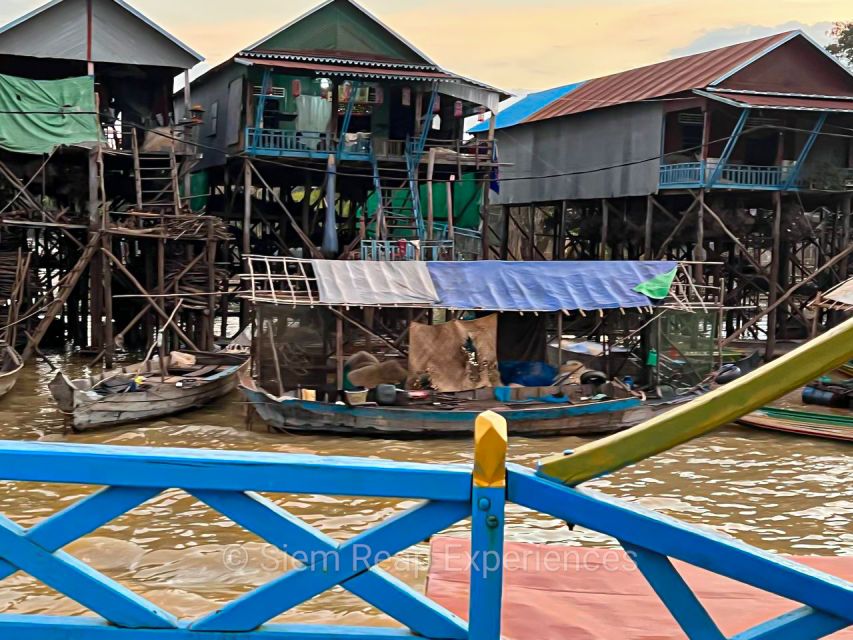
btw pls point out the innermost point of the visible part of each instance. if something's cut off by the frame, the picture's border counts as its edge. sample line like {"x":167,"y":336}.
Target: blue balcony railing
{"x":741,"y":176}
{"x":685,"y":174}
{"x":304,"y":144}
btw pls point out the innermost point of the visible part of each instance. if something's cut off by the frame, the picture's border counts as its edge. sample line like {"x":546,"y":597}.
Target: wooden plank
{"x":230,"y":471}
{"x":706,"y":413}
{"x":375,"y":586}
{"x":667,"y":536}
{"x":352,"y":558}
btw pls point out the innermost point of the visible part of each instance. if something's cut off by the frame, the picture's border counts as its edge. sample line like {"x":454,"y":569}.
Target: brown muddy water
{"x":781,"y":493}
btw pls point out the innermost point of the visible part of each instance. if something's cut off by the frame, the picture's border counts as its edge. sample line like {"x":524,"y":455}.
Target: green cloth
{"x":658,"y":287}
{"x":36,"y":116}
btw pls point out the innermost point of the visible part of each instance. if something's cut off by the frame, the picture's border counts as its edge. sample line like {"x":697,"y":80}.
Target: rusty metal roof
{"x":355,"y":71}
{"x":789,"y":102}
{"x":662,"y":79}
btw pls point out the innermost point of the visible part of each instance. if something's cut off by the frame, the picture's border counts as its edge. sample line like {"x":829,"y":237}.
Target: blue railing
{"x":305,"y":144}
{"x":685,"y":174}
{"x":731,"y":176}
{"x":227,"y":482}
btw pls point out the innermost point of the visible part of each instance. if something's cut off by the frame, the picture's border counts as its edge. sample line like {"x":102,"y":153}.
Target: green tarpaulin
{"x":36,"y":116}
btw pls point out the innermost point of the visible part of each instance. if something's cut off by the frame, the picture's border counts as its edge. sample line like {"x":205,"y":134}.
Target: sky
{"x":517,"y":45}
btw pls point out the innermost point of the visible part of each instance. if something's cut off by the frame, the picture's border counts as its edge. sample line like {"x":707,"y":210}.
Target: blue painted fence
{"x":229,"y":481}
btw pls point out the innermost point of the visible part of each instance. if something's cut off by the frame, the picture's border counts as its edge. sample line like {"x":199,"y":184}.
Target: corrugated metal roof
{"x":519,"y":111}
{"x":336,"y":57}
{"x":129,"y":46}
{"x":352,"y":70}
{"x":662,"y":79}
{"x":792,"y":103}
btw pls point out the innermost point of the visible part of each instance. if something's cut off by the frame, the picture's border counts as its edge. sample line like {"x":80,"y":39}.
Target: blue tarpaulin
{"x":545,"y":286}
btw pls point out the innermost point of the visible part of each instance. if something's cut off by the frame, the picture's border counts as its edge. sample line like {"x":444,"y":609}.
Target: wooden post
{"x":487,"y":526}
{"x":187,"y":129}
{"x":210,"y":320}
{"x":246,"y":245}
{"x":247,"y":209}
{"x":430,"y":198}
{"x":161,"y":276}
{"x":605,"y":229}
{"x":306,"y":206}
{"x":846,"y":202}
{"x":506,"y":228}
{"x":650,"y":222}
{"x":339,"y":351}
{"x":775,"y":266}
{"x":699,"y":249}
{"x":484,"y":216}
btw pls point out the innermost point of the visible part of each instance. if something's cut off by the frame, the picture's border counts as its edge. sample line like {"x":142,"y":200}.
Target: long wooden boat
{"x":146,"y":391}
{"x":432,"y":419}
{"x":804,"y":423}
{"x":10,"y":370}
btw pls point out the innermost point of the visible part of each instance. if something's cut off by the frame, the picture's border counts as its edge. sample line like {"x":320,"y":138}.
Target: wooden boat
{"x":10,"y":370}
{"x":113,"y":398}
{"x":804,"y":423}
{"x":441,"y":418}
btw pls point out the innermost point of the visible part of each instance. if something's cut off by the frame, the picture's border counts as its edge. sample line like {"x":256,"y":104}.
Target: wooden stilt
{"x":775,"y":266}
{"x":605,"y":229}
{"x":650,"y":221}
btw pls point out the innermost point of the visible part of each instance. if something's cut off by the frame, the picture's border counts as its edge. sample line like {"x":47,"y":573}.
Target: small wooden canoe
{"x":114,"y":398}
{"x":805,"y":423}
{"x":424,"y":421}
{"x":10,"y":370}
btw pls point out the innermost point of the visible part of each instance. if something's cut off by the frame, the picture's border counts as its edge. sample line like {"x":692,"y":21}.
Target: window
{"x":212,"y":120}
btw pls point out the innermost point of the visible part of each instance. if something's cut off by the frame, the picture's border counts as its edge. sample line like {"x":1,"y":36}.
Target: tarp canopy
{"x":36,"y":116}
{"x":372,"y":284}
{"x":550,"y":286}
{"x":495,"y":286}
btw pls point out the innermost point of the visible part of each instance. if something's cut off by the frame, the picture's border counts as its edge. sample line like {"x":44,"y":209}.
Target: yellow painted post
{"x":706,"y":413}
{"x":490,"y":445}
{"x":488,"y":497}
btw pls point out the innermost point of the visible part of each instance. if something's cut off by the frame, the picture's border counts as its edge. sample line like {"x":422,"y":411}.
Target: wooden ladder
{"x":156,"y":177}
{"x":63,"y":291}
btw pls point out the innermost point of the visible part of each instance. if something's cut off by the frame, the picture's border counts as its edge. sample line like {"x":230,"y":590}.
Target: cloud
{"x":725,"y":36}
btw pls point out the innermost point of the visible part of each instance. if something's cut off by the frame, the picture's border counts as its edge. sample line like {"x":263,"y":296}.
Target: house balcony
{"x":279,"y":143}
{"x":695,"y":175}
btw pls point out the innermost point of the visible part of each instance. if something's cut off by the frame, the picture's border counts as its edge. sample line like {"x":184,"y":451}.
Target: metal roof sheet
{"x":519,"y":111}
{"x":791,"y":103}
{"x":353,"y":70}
{"x":121,"y":3}
{"x":662,"y":79}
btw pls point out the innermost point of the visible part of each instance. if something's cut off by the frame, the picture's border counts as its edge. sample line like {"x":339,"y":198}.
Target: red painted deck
{"x":556,"y":592}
